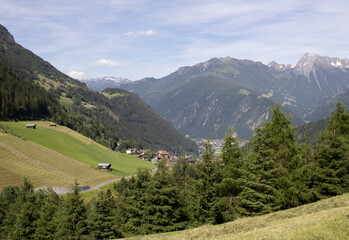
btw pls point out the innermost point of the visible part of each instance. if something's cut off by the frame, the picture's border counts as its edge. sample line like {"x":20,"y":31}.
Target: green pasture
{"x":72,"y":145}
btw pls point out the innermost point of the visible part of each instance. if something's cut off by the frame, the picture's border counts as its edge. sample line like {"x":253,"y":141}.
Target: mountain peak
{"x":310,"y":62}
{"x":108,"y":78}
{"x":5,"y":35}
{"x":99,"y":84}
{"x":279,"y":67}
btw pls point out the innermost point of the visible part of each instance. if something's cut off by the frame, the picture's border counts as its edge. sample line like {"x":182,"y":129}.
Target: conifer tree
{"x":101,"y":219}
{"x":71,"y":219}
{"x":46,"y":225}
{"x":27,"y":213}
{"x":205,"y":187}
{"x":233,"y":173}
{"x":332,"y":156}
{"x":273,"y":161}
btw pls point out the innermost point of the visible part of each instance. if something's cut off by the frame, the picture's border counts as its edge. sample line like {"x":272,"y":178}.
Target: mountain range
{"x":212,"y":96}
{"x":99,"y":84}
{"x":104,"y":118}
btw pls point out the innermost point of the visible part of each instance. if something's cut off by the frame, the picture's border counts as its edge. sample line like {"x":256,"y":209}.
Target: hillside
{"x":155,"y":131}
{"x":323,"y":109}
{"x":311,"y":130}
{"x":326,"y":219}
{"x":85,"y":110}
{"x":56,"y":156}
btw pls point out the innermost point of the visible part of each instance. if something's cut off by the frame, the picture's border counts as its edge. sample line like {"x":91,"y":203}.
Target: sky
{"x":135,"y":39}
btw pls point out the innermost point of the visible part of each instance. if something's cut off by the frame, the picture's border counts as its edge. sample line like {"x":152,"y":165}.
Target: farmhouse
{"x":104,"y":165}
{"x":31,"y":125}
{"x":163,"y":154}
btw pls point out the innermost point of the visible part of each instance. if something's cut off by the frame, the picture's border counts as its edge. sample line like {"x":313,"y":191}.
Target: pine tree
{"x":332,"y":156}
{"x":233,"y":177}
{"x":101,"y":219}
{"x":27,"y":208}
{"x":273,"y":161}
{"x":45,"y":225}
{"x":205,"y":187}
{"x":71,"y":220}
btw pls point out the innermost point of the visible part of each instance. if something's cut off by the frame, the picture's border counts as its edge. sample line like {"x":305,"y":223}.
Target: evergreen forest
{"x":273,"y":172}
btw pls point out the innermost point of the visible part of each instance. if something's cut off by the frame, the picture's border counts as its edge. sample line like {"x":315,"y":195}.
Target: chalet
{"x":53,"y":125}
{"x":104,"y":166}
{"x":31,"y":125}
{"x":163,"y":154}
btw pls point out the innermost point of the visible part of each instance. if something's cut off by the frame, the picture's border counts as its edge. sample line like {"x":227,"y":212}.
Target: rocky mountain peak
{"x":279,"y":67}
{"x":106,"y":79}
{"x":99,"y":84}
{"x":310,"y":62}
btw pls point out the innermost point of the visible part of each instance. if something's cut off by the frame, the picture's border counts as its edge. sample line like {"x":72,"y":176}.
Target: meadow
{"x":56,"y":156}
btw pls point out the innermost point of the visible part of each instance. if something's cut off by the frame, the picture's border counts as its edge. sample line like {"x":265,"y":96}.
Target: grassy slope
{"x":327,"y":219}
{"x":56,"y":156}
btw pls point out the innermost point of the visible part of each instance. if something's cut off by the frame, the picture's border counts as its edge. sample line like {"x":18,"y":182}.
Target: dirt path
{"x":65,"y":190}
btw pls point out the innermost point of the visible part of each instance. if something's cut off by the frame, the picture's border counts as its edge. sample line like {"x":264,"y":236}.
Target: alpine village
{"x":227,"y":148}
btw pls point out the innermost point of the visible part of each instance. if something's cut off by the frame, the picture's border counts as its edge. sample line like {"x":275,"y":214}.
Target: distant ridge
{"x":99,"y":84}
{"x":209,"y":97}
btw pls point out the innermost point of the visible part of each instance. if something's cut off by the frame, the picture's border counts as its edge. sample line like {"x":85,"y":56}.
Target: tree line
{"x":272,"y":173}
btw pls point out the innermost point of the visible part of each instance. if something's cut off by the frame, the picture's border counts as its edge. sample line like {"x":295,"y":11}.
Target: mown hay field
{"x":56,"y":156}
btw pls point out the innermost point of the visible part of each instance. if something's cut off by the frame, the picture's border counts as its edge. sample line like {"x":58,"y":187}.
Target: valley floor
{"x":326,"y":219}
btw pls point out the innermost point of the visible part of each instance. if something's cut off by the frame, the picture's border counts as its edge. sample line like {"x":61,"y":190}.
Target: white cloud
{"x":76,"y":74}
{"x":149,"y":32}
{"x":107,"y":62}
{"x":142,"y":33}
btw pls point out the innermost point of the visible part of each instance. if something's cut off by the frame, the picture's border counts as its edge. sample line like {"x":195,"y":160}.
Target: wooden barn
{"x":104,"y":166}
{"x":31,"y":125}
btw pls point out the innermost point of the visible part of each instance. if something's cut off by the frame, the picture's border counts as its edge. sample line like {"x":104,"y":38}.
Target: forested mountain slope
{"x":86,"y":111}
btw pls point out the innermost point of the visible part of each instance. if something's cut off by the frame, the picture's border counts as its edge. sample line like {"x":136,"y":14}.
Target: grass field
{"x":326,"y":219}
{"x":56,"y":156}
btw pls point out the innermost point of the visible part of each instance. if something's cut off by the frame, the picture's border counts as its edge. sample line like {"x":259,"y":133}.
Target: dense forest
{"x":20,"y":99}
{"x":274,"y":173}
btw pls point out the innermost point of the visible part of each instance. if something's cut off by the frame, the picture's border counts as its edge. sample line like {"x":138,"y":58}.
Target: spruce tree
{"x":71,"y":219}
{"x":205,"y":187}
{"x":27,"y":209}
{"x":332,"y":156}
{"x":233,"y":176}
{"x":101,"y":219}
{"x":273,"y":161}
{"x":46,"y":225}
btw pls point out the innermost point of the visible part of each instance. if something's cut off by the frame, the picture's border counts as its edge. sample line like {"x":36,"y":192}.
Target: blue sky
{"x":139,"y":38}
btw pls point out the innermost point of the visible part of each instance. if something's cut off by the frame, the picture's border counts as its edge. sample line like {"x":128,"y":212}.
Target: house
{"x":31,"y":125}
{"x":53,"y":125}
{"x":129,"y":151}
{"x":163,"y":154}
{"x":104,"y":166}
